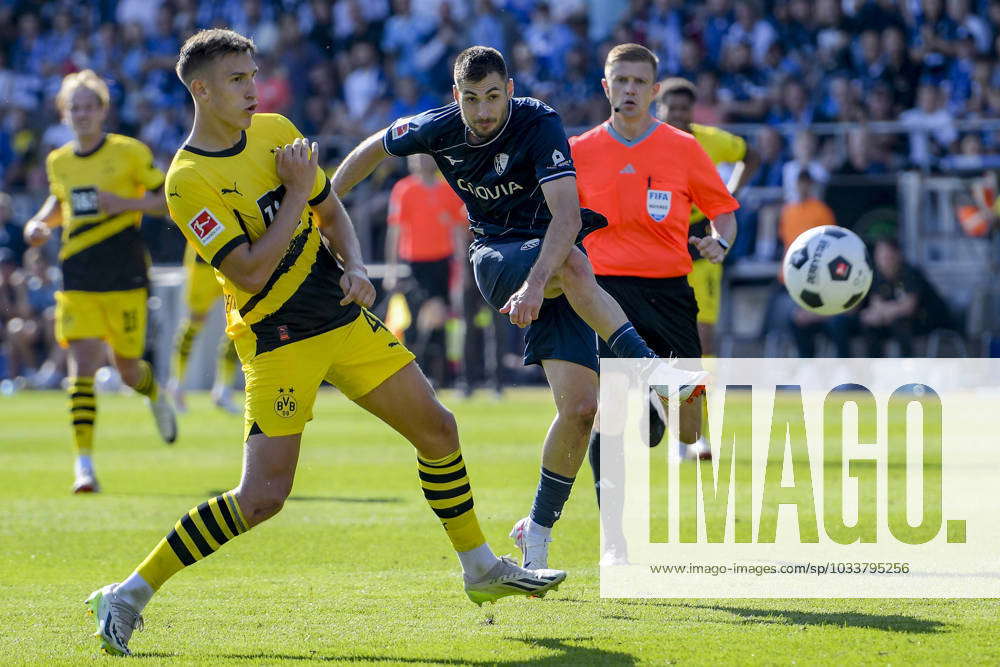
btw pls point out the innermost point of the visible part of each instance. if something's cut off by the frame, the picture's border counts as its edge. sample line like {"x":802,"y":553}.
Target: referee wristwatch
{"x":726,"y":245}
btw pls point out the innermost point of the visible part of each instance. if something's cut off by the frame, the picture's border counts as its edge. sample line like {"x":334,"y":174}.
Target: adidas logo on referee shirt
{"x":629,"y":169}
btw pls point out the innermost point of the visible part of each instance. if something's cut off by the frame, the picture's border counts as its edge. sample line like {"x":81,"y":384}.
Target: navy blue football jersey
{"x":499,"y":180}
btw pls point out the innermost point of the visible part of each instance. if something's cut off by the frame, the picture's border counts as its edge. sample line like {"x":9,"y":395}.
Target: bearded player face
{"x":484,"y":104}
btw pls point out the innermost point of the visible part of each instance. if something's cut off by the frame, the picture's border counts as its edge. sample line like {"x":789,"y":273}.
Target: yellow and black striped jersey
{"x":102,"y":253}
{"x":721,"y":146}
{"x":223,"y":199}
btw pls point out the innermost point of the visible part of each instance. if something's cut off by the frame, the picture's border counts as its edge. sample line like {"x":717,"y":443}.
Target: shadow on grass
{"x":569,"y":654}
{"x":840,"y":619}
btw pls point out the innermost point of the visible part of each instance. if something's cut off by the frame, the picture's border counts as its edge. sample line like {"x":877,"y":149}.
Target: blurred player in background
{"x":676,"y":100}
{"x":644,"y":176}
{"x":296,"y":292}
{"x":426,"y":229}
{"x":100,"y":185}
{"x":509,"y":160}
{"x":202,"y":291}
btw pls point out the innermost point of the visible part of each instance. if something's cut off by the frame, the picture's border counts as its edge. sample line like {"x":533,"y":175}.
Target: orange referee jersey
{"x":645,"y":188}
{"x":426,"y":216}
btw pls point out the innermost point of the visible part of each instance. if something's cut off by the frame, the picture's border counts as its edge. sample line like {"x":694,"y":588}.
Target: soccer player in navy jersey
{"x":509,"y":160}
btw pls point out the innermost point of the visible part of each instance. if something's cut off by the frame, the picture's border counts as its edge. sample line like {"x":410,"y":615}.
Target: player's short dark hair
{"x":632,"y":53}
{"x":205,"y":46}
{"x":478,"y":62}
{"x":677,"y":85}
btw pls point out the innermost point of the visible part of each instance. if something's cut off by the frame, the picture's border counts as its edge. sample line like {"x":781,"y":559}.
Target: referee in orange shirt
{"x":644,"y":176}
{"x":426,"y":224}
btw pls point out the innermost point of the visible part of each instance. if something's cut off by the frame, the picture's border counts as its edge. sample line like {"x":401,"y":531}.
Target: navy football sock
{"x":553,"y":491}
{"x":594,"y":454}
{"x":626,"y":343}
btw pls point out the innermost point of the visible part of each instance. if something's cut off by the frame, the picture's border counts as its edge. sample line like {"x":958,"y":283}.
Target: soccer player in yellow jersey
{"x":100,"y":185}
{"x":676,"y":103}
{"x":246,"y":192}
{"x":202,"y":292}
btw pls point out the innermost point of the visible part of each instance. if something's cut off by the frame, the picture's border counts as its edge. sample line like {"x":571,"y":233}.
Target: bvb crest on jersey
{"x":285,"y":405}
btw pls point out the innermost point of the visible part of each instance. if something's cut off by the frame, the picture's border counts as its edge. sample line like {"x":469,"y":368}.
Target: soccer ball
{"x":827,"y":270}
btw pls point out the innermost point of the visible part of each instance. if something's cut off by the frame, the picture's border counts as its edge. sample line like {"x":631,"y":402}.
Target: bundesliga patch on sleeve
{"x":205,"y":226}
{"x":400,"y":128}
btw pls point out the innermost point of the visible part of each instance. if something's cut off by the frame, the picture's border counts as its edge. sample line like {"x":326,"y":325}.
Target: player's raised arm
{"x":152,"y":203}
{"x":250,"y":266}
{"x":337,"y":229}
{"x":564,"y":203}
{"x":39,"y":228}
{"x":360,"y":163}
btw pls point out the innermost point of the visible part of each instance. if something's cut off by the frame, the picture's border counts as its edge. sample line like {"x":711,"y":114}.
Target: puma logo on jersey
{"x":231,"y":191}
{"x":174,"y":193}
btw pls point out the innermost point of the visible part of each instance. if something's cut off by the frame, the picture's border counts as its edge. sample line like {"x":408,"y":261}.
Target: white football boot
{"x":116,"y":620}
{"x":534,"y":551}
{"x":166,"y":418}
{"x":506,"y":578}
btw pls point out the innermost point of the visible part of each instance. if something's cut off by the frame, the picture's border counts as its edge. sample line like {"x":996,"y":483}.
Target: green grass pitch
{"x":357,"y":570}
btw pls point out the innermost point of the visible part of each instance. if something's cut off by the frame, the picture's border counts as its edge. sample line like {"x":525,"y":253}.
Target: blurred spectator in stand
{"x":408,"y":100}
{"x":487,"y":27}
{"x":962,"y":24}
{"x":549,"y":41}
{"x":741,"y":92}
{"x":256,"y":20}
{"x":770,"y":148}
{"x":931,"y":127}
{"x":877,"y":15}
{"x":433,"y":58}
{"x":901,"y":73}
{"x":691,"y":61}
{"x":902,"y":303}
{"x":274,"y":90}
{"x":795,"y":107}
{"x":861,"y":157}
{"x":803,"y":159}
{"x":404,"y":33}
{"x":749,"y":28}
{"x":365,"y":81}
{"x":11,"y":233}
{"x":31,"y":328}
{"x":715,"y":23}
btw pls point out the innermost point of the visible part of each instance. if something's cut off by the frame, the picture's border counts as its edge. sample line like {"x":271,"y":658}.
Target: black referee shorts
{"x":431,"y":278}
{"x":662,"y":310}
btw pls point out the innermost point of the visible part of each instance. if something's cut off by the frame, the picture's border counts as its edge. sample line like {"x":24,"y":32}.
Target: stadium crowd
{"x":346,"y":68}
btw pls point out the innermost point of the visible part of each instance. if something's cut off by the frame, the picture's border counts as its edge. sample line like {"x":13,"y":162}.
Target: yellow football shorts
{"x":281,"y":384}
{"x":117,"y":317}
{"x":202,"y":290}
{"x":706,"y":281}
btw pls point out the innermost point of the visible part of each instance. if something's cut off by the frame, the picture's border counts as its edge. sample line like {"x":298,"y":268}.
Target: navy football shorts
{"x":501,"y":266}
